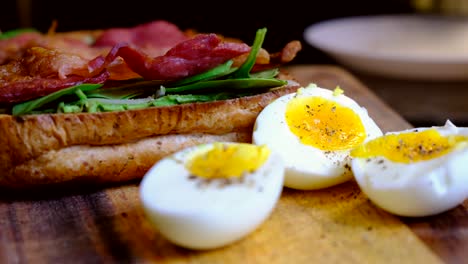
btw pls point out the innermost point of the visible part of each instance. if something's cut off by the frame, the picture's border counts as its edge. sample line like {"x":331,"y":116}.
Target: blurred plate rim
{"x":449,"y":65}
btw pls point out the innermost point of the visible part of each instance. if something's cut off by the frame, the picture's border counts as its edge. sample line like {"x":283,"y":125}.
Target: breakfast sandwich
{"x":102,"y":106}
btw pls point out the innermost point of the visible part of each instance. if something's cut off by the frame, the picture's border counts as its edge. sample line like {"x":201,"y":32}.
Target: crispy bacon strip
{"x":48,"y":63}
{"x":30,"y":88}
{"x":187,"y":58}
{"x":154,"y":38}
{"x":287,"y":54}
{"x":16,"y":47}
{"x":13,"y":48}
{"x":43,"y":71}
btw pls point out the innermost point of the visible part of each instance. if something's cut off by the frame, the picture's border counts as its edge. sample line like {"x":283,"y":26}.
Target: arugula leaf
{"x":28,"y":106}
{"x":130,"y":90}
{"x":228,"y":84}
{"x":15,"y":32}
{"x":265,"y":74}
{"x":70,"y":108}
{"x":174,"y":99}
{"x":246,"y":67}
{"x":122,"y":92}
{"x":213,"y":73}
{"x":105,"y":105}
{"x":93,"y":105}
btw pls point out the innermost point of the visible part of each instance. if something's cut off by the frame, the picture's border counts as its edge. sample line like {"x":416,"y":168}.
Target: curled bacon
{"x":154,"y":38}
{"x":287,"y":54}
{"x":30,"y":88}
{"x":187,"y":58}
{"x":42,"y":71}
{"x":13,"y":48}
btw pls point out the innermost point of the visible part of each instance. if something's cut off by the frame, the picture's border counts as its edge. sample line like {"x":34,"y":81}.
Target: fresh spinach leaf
{"x":244,"y":70}
{"x":28,"y":106}
{"x":228,"y":85}
{"x":174,"y":99}
{"x":15,"y":32}
{"x":122,"y":92}
{"x":213,"y":73}
{"x":265,"y":74}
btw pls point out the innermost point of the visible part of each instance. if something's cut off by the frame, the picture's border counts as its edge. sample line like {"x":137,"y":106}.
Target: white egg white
{"x":197,"y":213}
{"x":308,"y":167}
{"x":420,"y":188}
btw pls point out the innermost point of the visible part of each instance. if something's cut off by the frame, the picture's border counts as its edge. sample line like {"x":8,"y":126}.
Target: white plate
{"x":402,"y":46}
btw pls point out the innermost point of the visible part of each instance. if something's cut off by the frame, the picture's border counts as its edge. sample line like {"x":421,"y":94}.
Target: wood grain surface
{"x":334,"y":225}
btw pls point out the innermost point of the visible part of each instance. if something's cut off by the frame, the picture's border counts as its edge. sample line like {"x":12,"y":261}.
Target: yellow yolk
{"x":227,"y":160}
{"x":324,"y":124}
{"x":409,"y":147}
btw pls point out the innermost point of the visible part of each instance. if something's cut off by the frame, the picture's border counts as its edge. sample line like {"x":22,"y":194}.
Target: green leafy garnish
{"x":15,"y":32}
{"x":228,"y":85}
{"x":93,"y":105}
{"x":214,"y":73}
{"x":27,"y":107}
{"x":106,"y":105}
{"x":267,"y":74}
{"x":174,"y":99}
{"x":244,"y":70}
{"x":141,"y":89}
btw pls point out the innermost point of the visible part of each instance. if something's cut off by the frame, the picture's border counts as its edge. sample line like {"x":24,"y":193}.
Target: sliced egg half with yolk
{"x":212,"y":195}
{"x":313,"y":130}
{"x":415,"y":172}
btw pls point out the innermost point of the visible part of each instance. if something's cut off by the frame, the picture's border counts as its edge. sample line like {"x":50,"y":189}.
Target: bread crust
{"x":118,"y":146}
{"x":105,"y":164}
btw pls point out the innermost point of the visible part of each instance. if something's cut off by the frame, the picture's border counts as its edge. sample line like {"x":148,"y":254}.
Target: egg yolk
{"x":409,"y":147}
{"x":227,"y":160}
{"x":324,"y":124}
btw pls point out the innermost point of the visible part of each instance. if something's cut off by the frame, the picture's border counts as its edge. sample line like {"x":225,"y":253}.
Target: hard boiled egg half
{"x":415,"y":172}
{"x":313,"y":130}
{"x":214,"y":194}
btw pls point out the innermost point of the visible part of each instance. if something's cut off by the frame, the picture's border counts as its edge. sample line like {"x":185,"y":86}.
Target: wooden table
{"x":334,"y":225}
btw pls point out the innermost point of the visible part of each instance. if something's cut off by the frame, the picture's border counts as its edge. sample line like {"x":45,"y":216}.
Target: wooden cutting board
{"x":335,"y":225}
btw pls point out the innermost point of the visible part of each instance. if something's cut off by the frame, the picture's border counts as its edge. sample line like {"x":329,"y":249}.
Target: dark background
{"x":285,"y":20}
